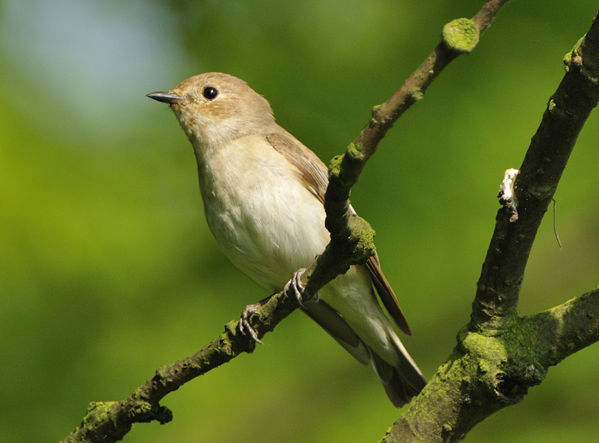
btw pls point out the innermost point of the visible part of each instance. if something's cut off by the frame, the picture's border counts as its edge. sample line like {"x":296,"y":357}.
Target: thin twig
{"x":557,"y":239}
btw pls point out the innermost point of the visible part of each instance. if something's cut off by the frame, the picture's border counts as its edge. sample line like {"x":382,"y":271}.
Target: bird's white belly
{"x":269,"y":225}
{"x":262,"y":215}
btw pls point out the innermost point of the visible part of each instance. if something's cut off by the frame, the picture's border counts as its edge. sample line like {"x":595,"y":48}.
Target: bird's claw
{"x":244,"y":325}
{"x":295,"y":287}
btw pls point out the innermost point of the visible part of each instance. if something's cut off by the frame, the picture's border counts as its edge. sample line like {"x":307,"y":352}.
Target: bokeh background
{"x":107,"y":268}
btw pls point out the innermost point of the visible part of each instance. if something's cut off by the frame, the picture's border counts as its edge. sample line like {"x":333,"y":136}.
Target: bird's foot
{"x":244,"y":324}
{"x":294,"y":286}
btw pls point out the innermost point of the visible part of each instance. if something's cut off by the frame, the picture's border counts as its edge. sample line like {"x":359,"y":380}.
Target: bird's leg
{"x":244,"y":325}
{"x":294,"y":286}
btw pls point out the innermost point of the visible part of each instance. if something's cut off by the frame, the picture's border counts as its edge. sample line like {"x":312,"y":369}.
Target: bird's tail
{"x":401,"y":380}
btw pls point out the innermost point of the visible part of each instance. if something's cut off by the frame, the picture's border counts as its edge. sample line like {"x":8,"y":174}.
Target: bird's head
{"x":214,"y":108}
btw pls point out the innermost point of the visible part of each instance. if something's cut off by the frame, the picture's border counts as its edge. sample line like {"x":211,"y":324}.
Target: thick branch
{"x":499,"y":355}
{"x":546,"y":158}
{"x":566,"y":329}
{"x":486,"y":373}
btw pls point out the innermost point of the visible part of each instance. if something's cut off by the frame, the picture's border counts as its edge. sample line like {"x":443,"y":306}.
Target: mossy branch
{"x":487,"y":372}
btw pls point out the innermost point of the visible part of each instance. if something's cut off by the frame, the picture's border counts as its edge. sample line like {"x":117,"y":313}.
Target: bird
{"x":263,"y":193}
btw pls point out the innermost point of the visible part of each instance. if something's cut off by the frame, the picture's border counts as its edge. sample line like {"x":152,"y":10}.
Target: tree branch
{"x":567,"y":328}
{"x":460,"y":36}
{"x":486,"y":373}
{"x":351,"y":243}
{"x":500,"y":355}
{"x":546,"y":158}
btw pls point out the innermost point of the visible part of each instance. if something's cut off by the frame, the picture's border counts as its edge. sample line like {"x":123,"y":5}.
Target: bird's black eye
{"x":210,"y":93}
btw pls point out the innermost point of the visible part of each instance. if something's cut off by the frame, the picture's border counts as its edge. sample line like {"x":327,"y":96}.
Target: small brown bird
{"x":263,"y":194}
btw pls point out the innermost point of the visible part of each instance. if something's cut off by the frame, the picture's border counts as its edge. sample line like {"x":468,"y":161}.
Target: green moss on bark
{"x":460,"y":35}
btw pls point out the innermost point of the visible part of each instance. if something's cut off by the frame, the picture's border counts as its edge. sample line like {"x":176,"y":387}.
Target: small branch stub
{"x":460,"y":35}
{"x":574,"y":57}
{"x":506,"y":194}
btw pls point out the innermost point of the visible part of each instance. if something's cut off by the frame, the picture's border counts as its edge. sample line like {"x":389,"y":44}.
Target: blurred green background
{"x":107,"y":268}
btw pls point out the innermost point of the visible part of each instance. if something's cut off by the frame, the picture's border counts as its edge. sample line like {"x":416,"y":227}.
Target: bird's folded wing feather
{"x":386,"y":294}
{"x":314,"y":173}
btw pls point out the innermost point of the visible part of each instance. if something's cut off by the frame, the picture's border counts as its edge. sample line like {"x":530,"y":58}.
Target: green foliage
{"x":107,"y":268}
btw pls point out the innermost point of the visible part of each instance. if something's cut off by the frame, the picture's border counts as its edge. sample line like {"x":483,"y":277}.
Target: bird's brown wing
{"x":313,"y":171}
{"x":386,"y":294}
{"x":315,"y":175}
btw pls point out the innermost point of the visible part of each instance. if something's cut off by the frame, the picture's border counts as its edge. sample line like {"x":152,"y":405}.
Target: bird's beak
{"x":166,"y":97}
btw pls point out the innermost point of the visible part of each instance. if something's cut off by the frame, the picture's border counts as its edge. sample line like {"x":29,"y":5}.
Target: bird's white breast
{"x":262,"y":215}
{"x":269,"y":225}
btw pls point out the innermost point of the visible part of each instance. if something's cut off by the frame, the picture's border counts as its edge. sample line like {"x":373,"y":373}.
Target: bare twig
{"x":554,"y":213}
